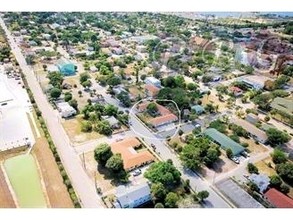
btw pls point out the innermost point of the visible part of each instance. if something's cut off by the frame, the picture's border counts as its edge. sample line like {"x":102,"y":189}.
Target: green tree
{"x":86,"y":126}
{"x":124,"y":99}
{"x":73,"y":103}
{"x":276,"y":137}
{"x":55,"y":79}
{"x":212,"y":156}
{"x":202,"y":195}
{"x":103,"y":127}
{"x":115,"y":163}
{"x":285,"y":170}
{"x":158,"y":192}
{"x":165,"y":173}
{"x":252,"y":168}
{"x":229,"y":153}
{"x":275,"y":181}
{"x":285,"y":189}
{"x":111,"y":110}
{"x":67,"y":96}
{"x":190,"y":156}
{"x":113,"y":81}
{"x":278,"y":156}
{"x":171,"y":200}
{"x":55,"y":93}
{"x":152,"y":107}
{"x":103,"y":153}
{"x":84,"y":77}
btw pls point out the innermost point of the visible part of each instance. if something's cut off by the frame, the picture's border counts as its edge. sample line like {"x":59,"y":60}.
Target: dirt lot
{"x":253,"y":147}
{"x":101,"y":176}
{"x":56,"y":190}
{"x":215,"y":101}
{"x":73,"y":130}
{"x":6,"y":200}
{"x":223,"y":165}
{"x":264,"y":168}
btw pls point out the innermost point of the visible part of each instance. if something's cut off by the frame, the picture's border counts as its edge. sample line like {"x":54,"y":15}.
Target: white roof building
{"x":65,"y":109}
{"x":132,"y":196}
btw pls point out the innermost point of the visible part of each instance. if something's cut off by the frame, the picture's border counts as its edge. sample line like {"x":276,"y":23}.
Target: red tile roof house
{"x":166,"y":116}
{"x":278,"y":199}
{"x":236,"y":91}
{"x":163,"y":120}
{"x":151,"y":90}
{"x":132,"y":158}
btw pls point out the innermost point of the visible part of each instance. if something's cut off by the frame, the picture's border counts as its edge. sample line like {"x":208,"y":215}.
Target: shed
{"x":198,"y":109}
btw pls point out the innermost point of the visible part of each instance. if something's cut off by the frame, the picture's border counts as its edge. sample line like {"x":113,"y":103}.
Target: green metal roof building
{"x":224,"y":141}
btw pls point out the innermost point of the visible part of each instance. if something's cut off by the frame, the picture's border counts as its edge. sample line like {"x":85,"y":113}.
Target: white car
{"x":235,"y":160}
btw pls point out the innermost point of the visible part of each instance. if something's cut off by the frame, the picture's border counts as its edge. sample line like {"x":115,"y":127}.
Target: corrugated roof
{"x":278,"y":199}
{"x":224,"y":141}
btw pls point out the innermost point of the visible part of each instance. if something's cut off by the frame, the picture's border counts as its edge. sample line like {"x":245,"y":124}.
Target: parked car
{"x":137,"y":172}
{"x":235,"y":160}
{"x":245,"y":154}
{"x":153,"y":146}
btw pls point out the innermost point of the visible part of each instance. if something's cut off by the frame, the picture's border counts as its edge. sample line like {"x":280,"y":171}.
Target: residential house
{"x":114,"y":123}
{"x":278,"y":199}
{"x":132,"y":159}
{"x":65,"y":109}
{"x":132,"y":196}
{"x":163,"y":120}
{"x":236,"y":91}
{"x":253,"y":131}
{"x":198,"y":109}
{"x":151,"y":90}
{"x":261,"y":180}
{"x":154,"y":81}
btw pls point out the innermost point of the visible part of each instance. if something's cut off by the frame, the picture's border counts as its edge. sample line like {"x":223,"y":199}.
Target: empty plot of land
{"x":6,"y":199}
{"x":237,"y":195}
{"x":56,"y":190}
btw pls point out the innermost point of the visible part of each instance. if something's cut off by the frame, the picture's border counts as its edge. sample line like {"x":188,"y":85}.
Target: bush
{"x":86,"y":126}
{"x":252,"y":168}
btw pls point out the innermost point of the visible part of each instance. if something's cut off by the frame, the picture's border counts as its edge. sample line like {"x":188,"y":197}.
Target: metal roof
{"x":224,"y":141}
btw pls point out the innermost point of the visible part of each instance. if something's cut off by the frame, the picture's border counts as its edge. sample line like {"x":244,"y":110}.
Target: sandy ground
{"x":73,"y":130}
{"x":6,"y":199}
{"x":56,"y":190}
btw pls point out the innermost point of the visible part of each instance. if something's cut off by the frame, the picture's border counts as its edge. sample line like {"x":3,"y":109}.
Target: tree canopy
{"x":165,"y":173}
{"x":277,"y":137}
{"x":103,"y":153}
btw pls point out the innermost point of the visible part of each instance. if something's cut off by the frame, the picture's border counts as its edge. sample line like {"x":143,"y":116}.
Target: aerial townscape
{"x":146,"y":110}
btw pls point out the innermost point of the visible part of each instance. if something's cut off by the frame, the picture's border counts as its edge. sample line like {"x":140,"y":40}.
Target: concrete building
{"x":65,"y":109}
{"x":163,"y":120}
{"x":132,"y":196}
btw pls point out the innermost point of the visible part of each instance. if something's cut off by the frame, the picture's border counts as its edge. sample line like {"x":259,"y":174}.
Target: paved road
{"x":196,"y":182}
{"x":82,"y":184}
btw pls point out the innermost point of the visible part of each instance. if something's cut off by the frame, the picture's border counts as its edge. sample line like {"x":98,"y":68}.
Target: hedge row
{"x":53,"y":149}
